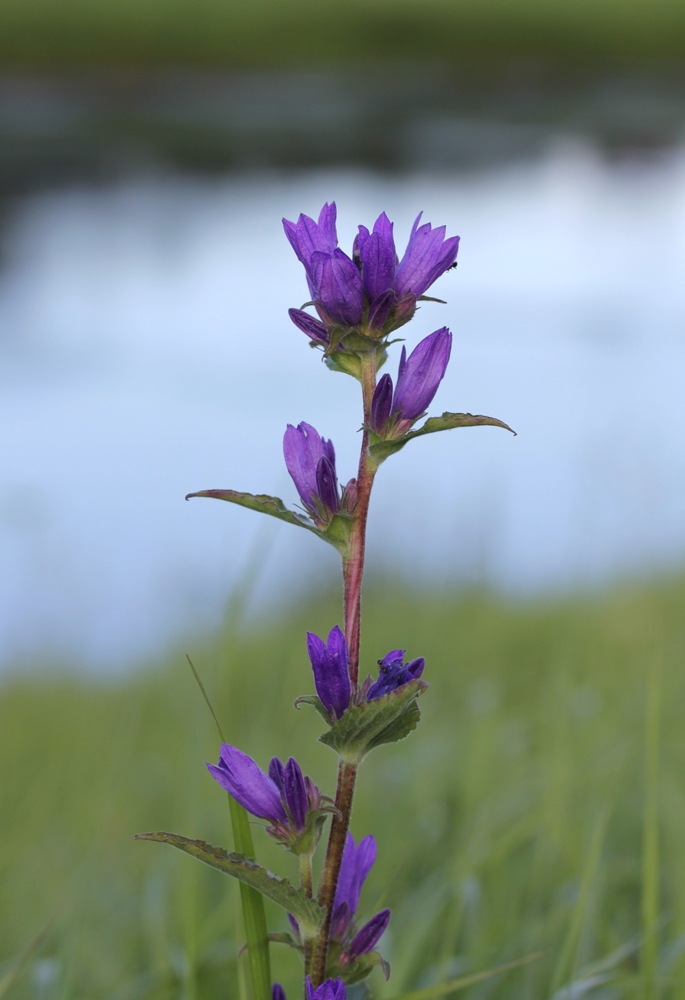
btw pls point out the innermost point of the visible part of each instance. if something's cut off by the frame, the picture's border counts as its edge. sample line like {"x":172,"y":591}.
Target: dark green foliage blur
{"x":306,"y":33}
{"x":512,"y":821}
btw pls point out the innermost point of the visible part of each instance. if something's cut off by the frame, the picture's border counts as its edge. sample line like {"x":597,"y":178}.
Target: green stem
{"x":353,"y":574}
{"x":256,"y":930}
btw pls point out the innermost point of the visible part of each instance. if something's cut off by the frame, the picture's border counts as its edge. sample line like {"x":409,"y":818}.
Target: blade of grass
{"x":566,"y":961}
{"x":650,"y":842}
{"x":10,"y":977}
{"x":455,"y":985}
{"x":254,"y":915}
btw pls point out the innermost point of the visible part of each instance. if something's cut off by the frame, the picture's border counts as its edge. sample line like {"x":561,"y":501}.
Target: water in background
{"x":145,"y":352}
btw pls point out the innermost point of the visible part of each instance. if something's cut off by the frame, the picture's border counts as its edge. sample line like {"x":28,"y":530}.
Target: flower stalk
{"x":353,"y":574}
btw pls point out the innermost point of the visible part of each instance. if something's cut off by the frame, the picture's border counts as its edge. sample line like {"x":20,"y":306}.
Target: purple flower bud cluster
{"x":284,"y":796}
{"x":357,"y":862}
{"x":310,"y":460}
{"x":371,"y":291}
{"x":330,"y":666}
{"x":418,"y":378}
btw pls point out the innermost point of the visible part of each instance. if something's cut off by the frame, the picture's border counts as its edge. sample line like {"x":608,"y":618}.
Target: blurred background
{"x":148,"y":152}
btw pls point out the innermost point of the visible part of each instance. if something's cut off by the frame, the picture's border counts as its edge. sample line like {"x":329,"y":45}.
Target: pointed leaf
{"x":373,"y":723}
{"x":260,"y":502}
{"x":380,"y":449}
{"x":308,"y":914}
{"x":336,"y":533}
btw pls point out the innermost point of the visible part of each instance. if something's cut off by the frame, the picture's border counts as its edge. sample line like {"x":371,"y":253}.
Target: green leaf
{"x":384,"y":720}
{"x":381,"y":449}
{"x":308,"y":914}
{"x":336,"y":533}
{"x":260,"y":502}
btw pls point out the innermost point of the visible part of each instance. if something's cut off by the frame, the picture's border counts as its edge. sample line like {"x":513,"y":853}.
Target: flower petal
{"x":247,"y":783}
{"x":370,"y":934}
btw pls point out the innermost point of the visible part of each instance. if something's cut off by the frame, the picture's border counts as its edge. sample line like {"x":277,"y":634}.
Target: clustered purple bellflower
{"x":419,"y":375}
{"x":310,"y":460}
{"x":372,"y":291}
{"x":351,"y":944}
{"x":357,"y":862}
{"x":330,"y":661}
{"x":285,"y":797}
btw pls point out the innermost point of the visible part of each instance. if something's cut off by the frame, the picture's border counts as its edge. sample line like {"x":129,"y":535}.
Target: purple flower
{"x":394,"y":673}
{"x":418,"y":378}
{"x":330,"y":663}
{"x":283,"y":796}
{"x":310,"y":460}
{"x":357,"y":862}
{"x":331,"y":989}
{"x":428,"y":255}
{"x":277,"y":992}
{"x":334,"y":280}
{"x":373,"y":286}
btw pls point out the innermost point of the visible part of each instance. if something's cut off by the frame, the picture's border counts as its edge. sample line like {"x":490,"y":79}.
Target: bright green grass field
{"x":540,"y":805}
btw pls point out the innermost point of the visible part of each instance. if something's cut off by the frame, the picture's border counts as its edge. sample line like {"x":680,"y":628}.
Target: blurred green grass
{"x":306,"y":33}
{"x":530,"y":811}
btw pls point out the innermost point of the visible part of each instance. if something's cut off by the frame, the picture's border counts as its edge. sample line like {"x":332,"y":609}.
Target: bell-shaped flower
{"x":393,"y":673}
{"x":357,"y":862}
{"x":277,"y":992}
{"x":310,"y":460}
{"x":419,"y":375}
{"x":247,"y":783}
{"x":284,"y":796}
{"x":330,"y":663}
{"x":334,"y":280}
{"x":428,"y":255}
{"x":331,"y":989}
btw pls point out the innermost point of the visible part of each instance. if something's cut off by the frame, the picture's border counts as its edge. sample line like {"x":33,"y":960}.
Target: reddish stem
{"x":353,"y":573}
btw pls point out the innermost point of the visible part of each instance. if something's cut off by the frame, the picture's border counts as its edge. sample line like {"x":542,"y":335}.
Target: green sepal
{"x":363,"y":967}
{"x":348,"y":364}
{"x":315,"y":702}
{"x":308,"y":840}
{"x":384,"y":720}
{"x":353,"y":972}
{"x":308,"y":914}
{"x":430,"y":298}
{"x":381,"y":448}
{"x":336,"y":533}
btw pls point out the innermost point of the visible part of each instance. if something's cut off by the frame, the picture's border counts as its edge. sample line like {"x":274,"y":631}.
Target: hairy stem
{"x":353,"y":573}
{"x":307,"y":884}
{"x":347,"y":774}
